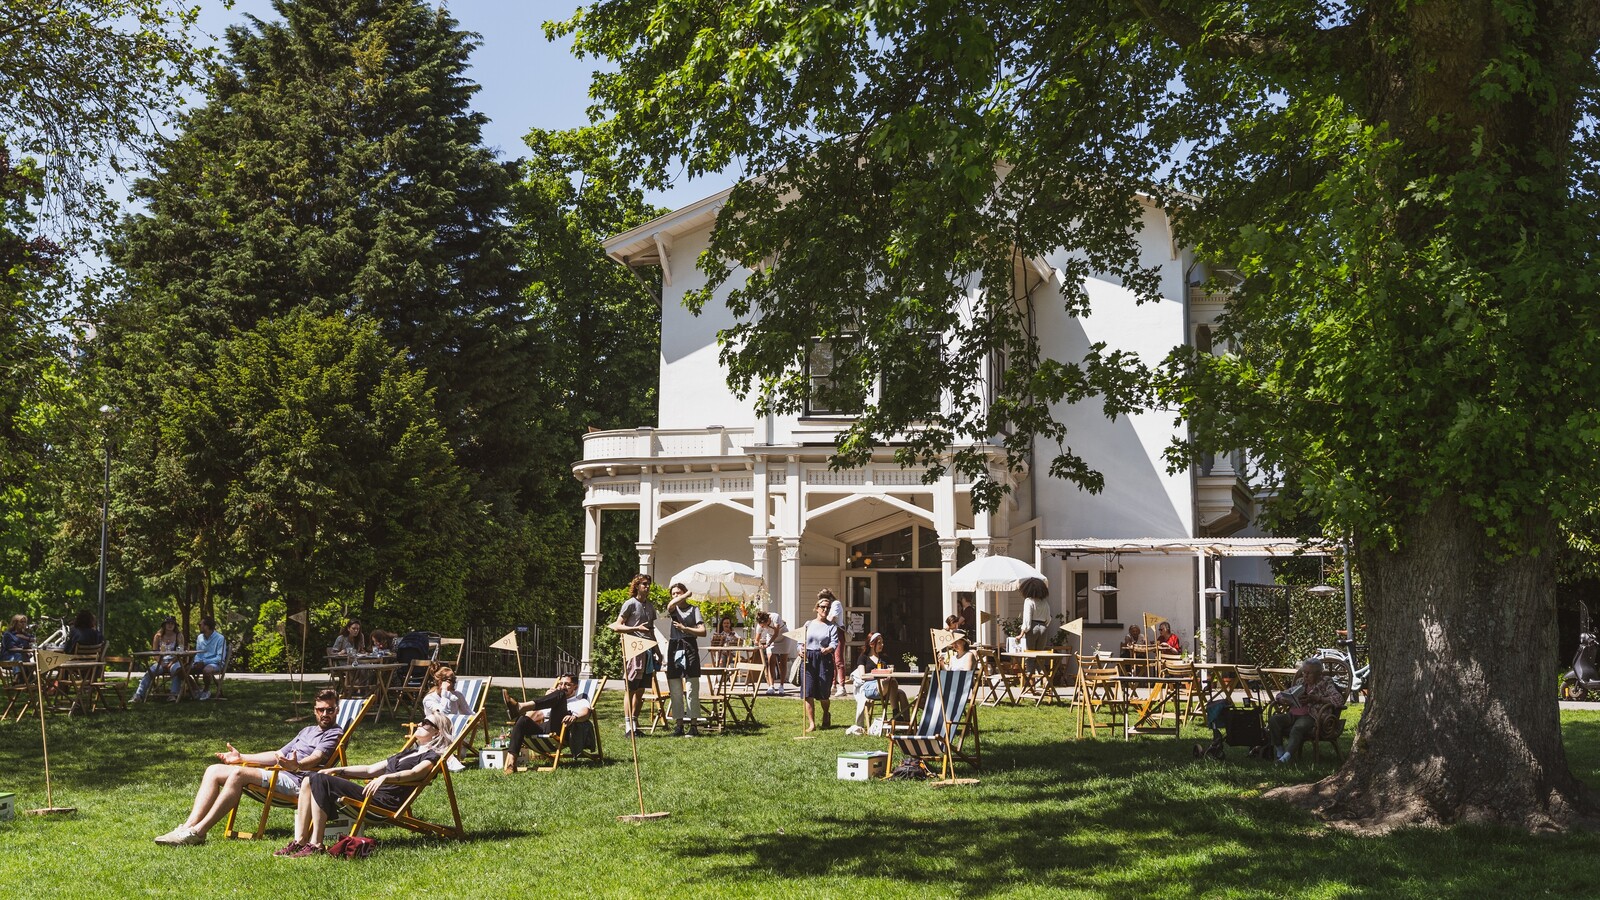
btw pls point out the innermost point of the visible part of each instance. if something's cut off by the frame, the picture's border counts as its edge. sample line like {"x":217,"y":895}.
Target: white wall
{"x":694,"y":388}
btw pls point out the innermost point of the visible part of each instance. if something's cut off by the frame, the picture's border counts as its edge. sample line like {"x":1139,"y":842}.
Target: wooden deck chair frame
{"x":549,"y":746}
{"x":351,"y":711}
{"x":948,"y":717}
{"x":365,"y":810}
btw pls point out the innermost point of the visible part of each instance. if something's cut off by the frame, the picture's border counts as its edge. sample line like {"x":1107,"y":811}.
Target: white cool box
{"x":8,"y":807}
{"x":863,"y":765}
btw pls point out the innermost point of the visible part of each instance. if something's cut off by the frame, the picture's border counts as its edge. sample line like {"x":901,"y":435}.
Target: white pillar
{"x":591,"y":587}
{"x":1201,"y":604}
{"x":789,"y":550}
{"x":647,"y":557}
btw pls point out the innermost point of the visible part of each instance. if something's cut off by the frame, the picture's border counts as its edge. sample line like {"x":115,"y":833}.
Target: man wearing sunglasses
{"x":224,"y":781}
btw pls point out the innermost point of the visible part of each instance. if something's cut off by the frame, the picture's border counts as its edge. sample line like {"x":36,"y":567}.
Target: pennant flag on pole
{"x":798,"y":635}
{"x":299,"y":617}
{"x":663,"y":629}
{"x":941,"y":639}
{"x":1150,"y":622}
{"x":1074,"y":627}
{"x":49,"y":659}
{"x":633,"y":645}
{"x":509,"y":642}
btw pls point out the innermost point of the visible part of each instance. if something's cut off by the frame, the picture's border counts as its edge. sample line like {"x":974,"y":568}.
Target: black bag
{"x":910,"y":769}
{"x":1244,"y":727}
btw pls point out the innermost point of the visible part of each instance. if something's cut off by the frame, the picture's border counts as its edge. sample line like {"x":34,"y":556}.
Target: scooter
{"x":1584,"y":677}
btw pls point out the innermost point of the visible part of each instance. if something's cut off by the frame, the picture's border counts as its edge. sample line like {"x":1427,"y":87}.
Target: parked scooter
{"x":1584,"y":677}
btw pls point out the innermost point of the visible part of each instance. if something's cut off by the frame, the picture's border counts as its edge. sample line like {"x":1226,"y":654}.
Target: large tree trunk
{"x":1463,"y":724}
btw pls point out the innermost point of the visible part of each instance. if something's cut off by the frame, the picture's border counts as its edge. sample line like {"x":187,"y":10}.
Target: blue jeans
{"x":156,"y":671}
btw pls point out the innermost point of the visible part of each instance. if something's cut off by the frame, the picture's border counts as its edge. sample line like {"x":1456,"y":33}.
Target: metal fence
{"x":546,"y":651}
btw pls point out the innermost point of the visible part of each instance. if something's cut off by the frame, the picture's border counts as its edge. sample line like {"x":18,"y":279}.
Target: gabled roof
{"x":645,"y":244}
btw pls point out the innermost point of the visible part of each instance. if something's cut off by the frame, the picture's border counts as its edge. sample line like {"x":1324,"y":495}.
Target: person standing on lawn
{"x":224,"y":781}
{"x":683,"y":660}
{"x":836,"y":616}
{"x":636,"y":617}
{"x":822,"y":644}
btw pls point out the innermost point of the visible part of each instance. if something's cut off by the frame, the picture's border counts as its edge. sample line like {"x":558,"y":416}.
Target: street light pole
{"x":105,"y":515}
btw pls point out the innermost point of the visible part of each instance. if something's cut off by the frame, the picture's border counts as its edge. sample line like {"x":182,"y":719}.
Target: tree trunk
{"x":369,"y":595}
{"x":1463,"y":724}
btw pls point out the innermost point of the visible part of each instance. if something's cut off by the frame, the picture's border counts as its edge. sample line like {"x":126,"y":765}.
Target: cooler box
{"x":492,"y":758}
{"x":8,"y":807}
{"x":337,"y":828}
{"x":863,"y":765}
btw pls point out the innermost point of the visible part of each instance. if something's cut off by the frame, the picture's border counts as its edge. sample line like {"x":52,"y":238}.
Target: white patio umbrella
{"x":994,"y":573}
{"x":720,"y":578}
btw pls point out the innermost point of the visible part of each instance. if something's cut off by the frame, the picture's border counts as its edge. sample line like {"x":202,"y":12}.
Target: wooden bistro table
{"x":184,"y":659}
{"x":76,"y":685}
{"x":1039,"y":684}
{"x":1220,"y":681}
{"x":1163,"y":694}
{"x":349,"y":686}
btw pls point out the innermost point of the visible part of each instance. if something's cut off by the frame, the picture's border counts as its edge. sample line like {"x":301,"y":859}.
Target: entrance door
{"x":910,"y":605}
{"x":860,"y":612}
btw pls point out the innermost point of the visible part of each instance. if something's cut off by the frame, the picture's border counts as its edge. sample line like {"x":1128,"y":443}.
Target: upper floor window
{"x":831,"y":392}
{"x":828,"y":394}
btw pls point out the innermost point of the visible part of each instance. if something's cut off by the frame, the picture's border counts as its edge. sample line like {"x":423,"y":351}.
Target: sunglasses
{"x":324,"y":709}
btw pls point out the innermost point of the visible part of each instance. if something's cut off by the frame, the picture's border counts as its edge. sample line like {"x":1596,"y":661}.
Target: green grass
{"x":756,"y":813}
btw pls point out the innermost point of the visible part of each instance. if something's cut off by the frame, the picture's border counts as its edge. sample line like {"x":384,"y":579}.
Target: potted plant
{"x":910,"y":659}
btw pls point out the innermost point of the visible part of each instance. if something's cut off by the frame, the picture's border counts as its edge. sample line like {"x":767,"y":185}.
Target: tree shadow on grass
{"x":1142,"y":818}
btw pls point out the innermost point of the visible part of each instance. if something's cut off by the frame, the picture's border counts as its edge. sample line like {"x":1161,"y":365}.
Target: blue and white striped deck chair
{"x":946,"y":718}
{"x":351,"y":711}
{"x":476,"y":692}
{"x":581,"y":739}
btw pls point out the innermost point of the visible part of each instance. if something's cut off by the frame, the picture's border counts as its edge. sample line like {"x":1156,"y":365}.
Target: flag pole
{"x":50,"y":807}
{"x":632,"y":646}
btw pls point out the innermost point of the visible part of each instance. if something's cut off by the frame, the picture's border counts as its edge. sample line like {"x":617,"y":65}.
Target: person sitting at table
{"x":17,"y":640}
{"x":562,"y":706}
{"x":167,"y":640}
{"x":382,"y":641}
{"x":224,"y":781}
{"x":1312,"y":703}
{"x":867,"y":687}
{"x":442,"y":697}
{"x":1166,"y":640}
{"x":1131,"y":642}
{"x":959,"y":656}
{"x":351,"y":641}
{"x":389,"y":786}
{"x":85,"y":631}
{"x":211,"y":654}
{"x":724,"y":636}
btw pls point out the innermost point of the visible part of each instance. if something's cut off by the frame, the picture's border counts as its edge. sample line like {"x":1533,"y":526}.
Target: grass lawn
{"x":755,"y":813}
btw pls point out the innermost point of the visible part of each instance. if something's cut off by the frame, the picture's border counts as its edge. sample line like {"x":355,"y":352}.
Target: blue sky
{"x":527,"y":82}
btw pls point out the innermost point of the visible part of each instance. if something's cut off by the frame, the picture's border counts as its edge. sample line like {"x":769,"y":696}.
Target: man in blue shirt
{"x":211,"y":654}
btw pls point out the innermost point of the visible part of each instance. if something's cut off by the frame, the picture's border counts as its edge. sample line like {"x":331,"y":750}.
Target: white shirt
{"x":1035,"y":611}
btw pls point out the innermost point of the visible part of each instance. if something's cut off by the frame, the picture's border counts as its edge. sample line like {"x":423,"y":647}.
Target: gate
{"x":546,"y":651}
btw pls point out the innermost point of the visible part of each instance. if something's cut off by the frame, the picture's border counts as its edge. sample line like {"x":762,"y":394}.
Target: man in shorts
{"x":224,"y":782}
{"x":636,"y":617}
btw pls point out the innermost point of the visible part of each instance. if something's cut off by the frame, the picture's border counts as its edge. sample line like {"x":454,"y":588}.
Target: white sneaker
{"x":203,"y":695}
{"x":1283,"y":757}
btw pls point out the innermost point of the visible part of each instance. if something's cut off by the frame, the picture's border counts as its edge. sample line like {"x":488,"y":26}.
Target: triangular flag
{"x":941,"y":638}
{"x":299,"y":617}
{"x":633,"y":645}
{"x":509,"y":642}
{"x":985,"y":617}
{"x":1074,"y":627}
{"x":798,"y":635}
{"x":49,"y":659}
{"x":1150,"y":622}
{"x":663,"y":629}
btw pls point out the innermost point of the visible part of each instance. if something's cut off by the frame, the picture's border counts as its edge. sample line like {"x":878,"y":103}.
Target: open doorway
{"x":908,"y":605}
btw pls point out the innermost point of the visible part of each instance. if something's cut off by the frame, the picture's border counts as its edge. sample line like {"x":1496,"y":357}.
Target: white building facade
{"x":714,"y":480}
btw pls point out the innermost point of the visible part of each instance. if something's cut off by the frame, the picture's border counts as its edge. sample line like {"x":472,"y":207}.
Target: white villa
{"x":712,"y":480}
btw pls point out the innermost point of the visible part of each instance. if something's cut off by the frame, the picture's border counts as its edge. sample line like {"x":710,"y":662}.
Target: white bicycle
{"x":1339,"y":664}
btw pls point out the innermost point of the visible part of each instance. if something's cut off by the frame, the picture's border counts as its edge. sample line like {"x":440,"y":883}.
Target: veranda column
{"x":591,"y":587}
{"x":789,"y":550}
{"x":982,"y":547}
{"x":947,"y":567}
{"x":647,"y":557}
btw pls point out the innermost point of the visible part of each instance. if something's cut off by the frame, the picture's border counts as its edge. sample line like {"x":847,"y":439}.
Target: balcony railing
{"x":645,"y":443}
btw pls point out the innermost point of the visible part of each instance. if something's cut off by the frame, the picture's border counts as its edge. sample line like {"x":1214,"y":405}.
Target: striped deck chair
{"x":581,"y":739}
{"x":476,"y":692}
{"x":947,"y":718}
{"x":366,"y":812}
{"x":351,"y":711}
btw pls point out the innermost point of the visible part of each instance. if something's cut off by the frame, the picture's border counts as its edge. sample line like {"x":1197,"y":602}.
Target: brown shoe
{"x":512,"y":709}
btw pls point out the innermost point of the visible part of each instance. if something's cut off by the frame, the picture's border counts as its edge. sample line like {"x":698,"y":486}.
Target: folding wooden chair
{"x":230,"y":651}
{"x":367,"y":811}
{"x":992,"y":685}
{"x":351,"y":711}
{"x":714,"y":703}
{"x":744,"y":685}
{"x":948,"y":718}
{"x":1098,"y":690}
{"x":449,"y":653}
{"x":412,"y":683}
{"x":1174,"y":667}
{"x":1251,"y":682}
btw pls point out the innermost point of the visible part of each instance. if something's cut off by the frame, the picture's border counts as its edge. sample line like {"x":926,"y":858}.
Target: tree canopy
{"x":1405,"y":197}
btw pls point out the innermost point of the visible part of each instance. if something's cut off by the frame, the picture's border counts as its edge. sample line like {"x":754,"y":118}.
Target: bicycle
{"x":58,"y":638}
{"x":1339,"y":664}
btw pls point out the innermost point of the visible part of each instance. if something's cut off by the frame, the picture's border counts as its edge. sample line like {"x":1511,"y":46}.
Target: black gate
{"x":546,"y":651}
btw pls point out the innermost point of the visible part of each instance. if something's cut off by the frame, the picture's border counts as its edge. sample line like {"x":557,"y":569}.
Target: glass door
{"x":860,"y":613}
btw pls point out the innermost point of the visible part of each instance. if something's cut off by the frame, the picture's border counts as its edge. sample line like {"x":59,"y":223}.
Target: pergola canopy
{"x":1210,"y":547}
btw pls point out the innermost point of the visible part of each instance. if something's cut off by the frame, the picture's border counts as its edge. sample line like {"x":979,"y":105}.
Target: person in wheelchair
{"x":1311,"y":704}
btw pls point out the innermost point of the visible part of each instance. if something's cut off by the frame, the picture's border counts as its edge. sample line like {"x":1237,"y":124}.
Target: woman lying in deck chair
{"x":320,"y":793}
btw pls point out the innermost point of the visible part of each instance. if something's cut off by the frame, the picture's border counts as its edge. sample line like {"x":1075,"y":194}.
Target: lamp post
{"x":105,"y":512}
